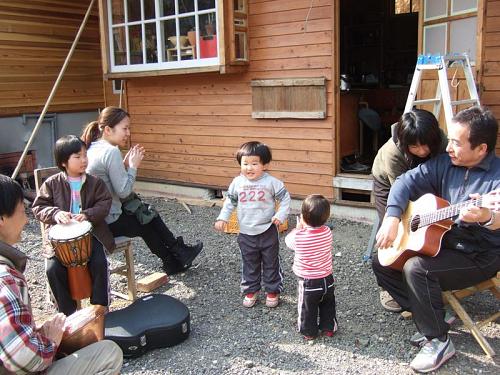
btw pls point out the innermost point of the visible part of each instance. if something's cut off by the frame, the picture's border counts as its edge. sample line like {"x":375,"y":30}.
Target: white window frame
{"x":160,"y":65}
{"x":447,"y":19}
{"x":113,"y":84}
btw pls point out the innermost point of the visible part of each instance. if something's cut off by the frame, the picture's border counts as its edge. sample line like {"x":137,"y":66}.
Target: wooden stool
{"x":453,"y":299}
{"x":125,"y":244}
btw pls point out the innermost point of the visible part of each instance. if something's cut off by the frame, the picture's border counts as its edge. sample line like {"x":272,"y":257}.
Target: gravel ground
{"x":227,"y":338}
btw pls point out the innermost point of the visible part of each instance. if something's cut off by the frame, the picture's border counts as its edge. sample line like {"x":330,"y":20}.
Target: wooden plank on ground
{"x":152,"y":282}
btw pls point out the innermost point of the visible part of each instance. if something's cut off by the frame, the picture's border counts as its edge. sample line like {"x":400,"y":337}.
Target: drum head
{"x":74,"y":229}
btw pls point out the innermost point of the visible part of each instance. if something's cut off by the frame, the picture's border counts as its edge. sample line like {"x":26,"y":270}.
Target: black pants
{"x":57,"y":275}
{"x":155,"y":234}
{"x":316,"y":298}
{"x":418,"y":288}
{"x":260,"y":257}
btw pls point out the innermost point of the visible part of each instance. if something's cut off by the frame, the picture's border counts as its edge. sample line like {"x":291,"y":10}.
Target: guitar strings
{"x":444,"y":213}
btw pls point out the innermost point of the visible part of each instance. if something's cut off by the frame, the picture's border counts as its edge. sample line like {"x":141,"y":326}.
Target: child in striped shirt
{"x":312,"y":242}
{"x":73,"y":195}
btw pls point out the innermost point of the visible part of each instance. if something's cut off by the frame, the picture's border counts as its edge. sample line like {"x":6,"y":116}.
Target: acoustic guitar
{"x":424,"y":224}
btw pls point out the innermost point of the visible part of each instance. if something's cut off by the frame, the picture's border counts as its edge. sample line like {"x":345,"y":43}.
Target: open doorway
{"x":378,"y":51}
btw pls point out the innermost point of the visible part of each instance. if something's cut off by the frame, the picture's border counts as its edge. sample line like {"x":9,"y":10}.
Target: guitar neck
{"x":448,"y":212}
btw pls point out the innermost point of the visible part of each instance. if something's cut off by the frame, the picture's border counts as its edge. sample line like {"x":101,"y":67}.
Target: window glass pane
{"x":187,"y":37}
{"x":208,"y":37}
{"x":206,"y":4}
{"x":117,"y":11}
{"x":134,"y":10}
{"x":240,"y":49}
{"x":169,"y":40}
{"x":435,"y":39}
{"x":463,"y":36}
{"x":186,"y":24}
{"x":435,"y":8}
{"x":463,"y":5}
{"x":207,"y":24}
{"x":135,"y":44}
{"x":149,"y":9}
{"x":186,"y":6}
{"x":239,"y":5}
{"x":119,"y":46}
{"x":167,"y":8}
{"x":401,"y":6}
{"x":151,"y":52}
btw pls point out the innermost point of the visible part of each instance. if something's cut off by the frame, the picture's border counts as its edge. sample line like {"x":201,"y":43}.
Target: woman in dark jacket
{"x":415,"y":138}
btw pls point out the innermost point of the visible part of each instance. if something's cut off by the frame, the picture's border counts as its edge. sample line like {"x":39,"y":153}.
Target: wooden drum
{"x":73,"y":246}
{"x":81,"y":329}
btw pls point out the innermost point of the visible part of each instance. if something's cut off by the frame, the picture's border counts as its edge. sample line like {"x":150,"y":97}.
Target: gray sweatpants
{"x":260,"y":258}
{"x":103,"y":358}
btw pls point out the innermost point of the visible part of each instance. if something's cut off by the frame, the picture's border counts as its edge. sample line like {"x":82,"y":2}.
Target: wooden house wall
{"x":192,"y":125}
{"x":490,"y":80}
{"x":35,"y":37}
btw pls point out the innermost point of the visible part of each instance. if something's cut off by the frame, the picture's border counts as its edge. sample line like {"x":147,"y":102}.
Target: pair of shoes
{"x":389,"y":303}
{"x":330,"y":333}
{"x":272,"y":299}
{"x":432,"y":355}
{"x":250,"y":299}
{"x":418,"y":339}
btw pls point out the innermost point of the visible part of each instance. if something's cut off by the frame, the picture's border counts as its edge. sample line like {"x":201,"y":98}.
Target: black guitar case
{"x":150,"y":322}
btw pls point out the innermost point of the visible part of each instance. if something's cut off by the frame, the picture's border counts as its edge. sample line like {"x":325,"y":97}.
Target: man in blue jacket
{"x":470,"y":251}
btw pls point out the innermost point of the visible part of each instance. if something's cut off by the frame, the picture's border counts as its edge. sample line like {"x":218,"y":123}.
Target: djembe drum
{"x":72,"y":244}
{"x":81,"y":329}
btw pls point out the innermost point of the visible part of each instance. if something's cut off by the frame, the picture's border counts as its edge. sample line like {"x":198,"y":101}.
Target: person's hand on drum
{"x":63,"y":217}
{"x":53,"y":328}
{"x":134,"y":156}
{"x":80,"y":217}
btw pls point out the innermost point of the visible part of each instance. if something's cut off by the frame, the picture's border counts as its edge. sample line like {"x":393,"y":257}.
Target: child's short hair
{"x":255,"y":148}
{"x":65,"y":147}
{"x":11,"y":194}
{"x":315,"y":210}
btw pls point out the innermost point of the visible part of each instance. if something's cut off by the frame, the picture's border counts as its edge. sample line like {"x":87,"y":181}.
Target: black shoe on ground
{"x":172,"y":266}
{"x":185,"y":254}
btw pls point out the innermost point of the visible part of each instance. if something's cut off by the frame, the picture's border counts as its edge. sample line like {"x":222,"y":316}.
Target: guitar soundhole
{"x":414,"y":223}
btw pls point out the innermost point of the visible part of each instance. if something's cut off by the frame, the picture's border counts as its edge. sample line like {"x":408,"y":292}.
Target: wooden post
{"x":54,"y":89}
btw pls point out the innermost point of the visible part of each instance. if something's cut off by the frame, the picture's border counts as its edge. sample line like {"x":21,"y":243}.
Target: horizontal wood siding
{"x":192,"y":125}
{"x":490,"y":88}
{"x":35,"y":37}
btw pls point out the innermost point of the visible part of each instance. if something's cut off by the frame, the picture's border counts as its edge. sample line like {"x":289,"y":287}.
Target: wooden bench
{"x":122,"y":244}
{"x":453,"y":299}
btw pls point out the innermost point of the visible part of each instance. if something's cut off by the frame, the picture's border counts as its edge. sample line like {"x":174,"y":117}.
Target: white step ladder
{"x":440,"y":64}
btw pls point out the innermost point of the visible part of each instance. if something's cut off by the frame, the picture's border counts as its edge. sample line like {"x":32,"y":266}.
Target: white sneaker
{"x":250,"y":299}
{"x":272,"y":299}
{"x":418,"y":339}
{"x":432,"y":355}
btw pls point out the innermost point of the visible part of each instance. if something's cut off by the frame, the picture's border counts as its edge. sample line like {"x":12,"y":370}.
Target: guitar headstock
{"x":492,"y":200}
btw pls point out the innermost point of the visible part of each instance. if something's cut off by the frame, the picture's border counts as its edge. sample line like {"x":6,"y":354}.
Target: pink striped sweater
{"x":313,"y":251}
